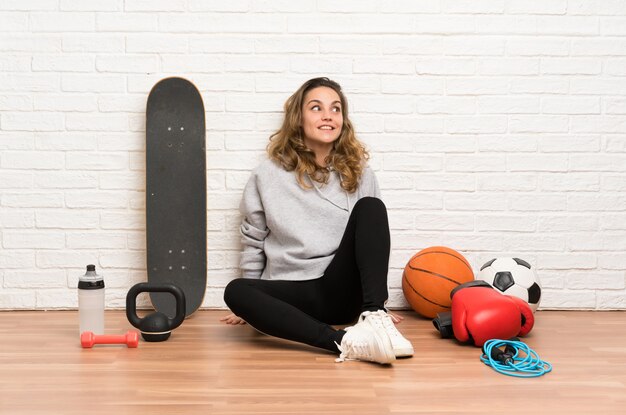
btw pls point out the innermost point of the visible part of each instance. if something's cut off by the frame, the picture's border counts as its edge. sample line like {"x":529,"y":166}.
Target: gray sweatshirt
{"x":292,"y":233}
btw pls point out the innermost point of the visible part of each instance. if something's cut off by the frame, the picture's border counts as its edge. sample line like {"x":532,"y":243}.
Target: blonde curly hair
{"x":287,"y":147}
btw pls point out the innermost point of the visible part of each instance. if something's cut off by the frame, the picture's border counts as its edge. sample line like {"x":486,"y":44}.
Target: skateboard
{"x":176,"y":193}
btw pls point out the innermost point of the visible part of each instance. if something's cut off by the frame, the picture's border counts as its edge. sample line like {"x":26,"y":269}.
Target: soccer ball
{"x":512,"y":276}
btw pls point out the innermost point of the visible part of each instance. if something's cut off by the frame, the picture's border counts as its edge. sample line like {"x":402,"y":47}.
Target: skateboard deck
{"x":176,"y":193}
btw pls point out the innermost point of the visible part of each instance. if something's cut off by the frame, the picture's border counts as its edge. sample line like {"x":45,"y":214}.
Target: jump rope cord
{"x":517,"y":360}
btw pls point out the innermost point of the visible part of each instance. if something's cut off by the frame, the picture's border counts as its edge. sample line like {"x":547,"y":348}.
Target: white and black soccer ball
{"x":513,"y":276}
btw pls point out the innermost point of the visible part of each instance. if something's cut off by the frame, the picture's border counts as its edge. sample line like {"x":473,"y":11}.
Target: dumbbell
{"x":88,"y":339}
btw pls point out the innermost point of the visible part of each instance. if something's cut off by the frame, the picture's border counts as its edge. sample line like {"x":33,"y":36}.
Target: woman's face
{"x":322,"y":118}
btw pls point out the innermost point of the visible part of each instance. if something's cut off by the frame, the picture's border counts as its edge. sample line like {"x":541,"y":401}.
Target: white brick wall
{"x":496,"y":128}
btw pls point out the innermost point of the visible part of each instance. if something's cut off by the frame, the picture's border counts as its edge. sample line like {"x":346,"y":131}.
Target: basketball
{"x":430,"y":275}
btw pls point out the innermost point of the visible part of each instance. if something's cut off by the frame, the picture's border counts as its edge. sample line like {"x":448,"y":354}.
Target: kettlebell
{"x":155,"y":327}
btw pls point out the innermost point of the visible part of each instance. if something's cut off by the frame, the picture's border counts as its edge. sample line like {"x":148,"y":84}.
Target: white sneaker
{"x":382,"y":323}
{"x":363,"y":343}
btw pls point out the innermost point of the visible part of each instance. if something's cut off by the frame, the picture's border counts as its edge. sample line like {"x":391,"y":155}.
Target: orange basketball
{"x":430,"y":275}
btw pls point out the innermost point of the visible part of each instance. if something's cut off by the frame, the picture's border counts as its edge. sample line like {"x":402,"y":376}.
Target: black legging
{"x":355,"y":281}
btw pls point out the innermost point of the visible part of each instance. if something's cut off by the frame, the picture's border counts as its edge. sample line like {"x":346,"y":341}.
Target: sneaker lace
{"x":350,"y":349}
{"x":383,"y":319}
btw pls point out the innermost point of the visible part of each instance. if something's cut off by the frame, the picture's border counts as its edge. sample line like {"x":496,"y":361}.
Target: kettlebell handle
{"x":142,"y":287}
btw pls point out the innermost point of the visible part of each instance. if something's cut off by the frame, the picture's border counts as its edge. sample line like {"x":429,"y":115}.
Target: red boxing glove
{"x":480,"y":313}
{"x":527,"y":316}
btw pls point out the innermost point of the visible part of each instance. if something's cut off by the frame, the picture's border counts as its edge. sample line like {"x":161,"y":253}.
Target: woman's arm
{"x":253,"y":231}
{"x":369,"y":184}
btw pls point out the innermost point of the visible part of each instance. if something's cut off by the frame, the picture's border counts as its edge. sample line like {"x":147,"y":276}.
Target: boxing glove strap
{"x":443,"y":324}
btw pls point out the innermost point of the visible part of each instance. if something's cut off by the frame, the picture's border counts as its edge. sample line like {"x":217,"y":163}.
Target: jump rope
{"x":516,"y":360}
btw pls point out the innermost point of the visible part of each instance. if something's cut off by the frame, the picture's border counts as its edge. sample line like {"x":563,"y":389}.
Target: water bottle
{"x":91,"y":301}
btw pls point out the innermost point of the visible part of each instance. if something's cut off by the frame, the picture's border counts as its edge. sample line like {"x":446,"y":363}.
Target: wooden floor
{"x":210,"y":368}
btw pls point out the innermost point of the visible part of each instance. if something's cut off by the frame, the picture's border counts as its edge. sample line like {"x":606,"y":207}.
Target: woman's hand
{"x":397,"y":319}
{"x":232,"y":319}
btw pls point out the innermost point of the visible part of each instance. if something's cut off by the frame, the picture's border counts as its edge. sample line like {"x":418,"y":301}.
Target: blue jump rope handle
{"x":503,"y":357}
